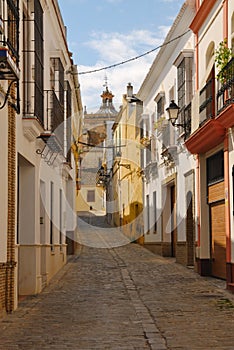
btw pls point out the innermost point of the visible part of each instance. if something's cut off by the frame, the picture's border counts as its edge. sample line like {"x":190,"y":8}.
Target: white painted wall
{"x":161,"y":78}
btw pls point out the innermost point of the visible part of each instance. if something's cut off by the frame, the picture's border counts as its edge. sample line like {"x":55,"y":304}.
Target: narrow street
{"x":122,"y":297}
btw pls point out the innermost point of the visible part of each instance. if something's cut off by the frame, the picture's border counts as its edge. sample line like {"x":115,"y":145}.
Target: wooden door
{"x":173,"y":222}
{"x":218,"y":239}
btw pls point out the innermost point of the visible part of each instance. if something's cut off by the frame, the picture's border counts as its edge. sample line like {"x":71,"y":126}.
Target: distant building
{"x":96,"y":153}
{"x":126,"y":175}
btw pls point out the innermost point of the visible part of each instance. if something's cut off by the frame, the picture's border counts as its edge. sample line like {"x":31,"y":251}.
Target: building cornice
{"x":180,"y":25}
{"x":201,"y":15}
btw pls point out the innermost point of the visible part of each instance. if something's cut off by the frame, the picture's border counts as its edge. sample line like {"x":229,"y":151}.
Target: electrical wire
{"x":133,"y":58}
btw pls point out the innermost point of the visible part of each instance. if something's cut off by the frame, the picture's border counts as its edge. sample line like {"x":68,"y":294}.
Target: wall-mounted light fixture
{"x":51,"y":149}
{"x":173,"y":111}
{"x":185,"y":118}
{"x":102,"y":177}
{"x":118,"y":160}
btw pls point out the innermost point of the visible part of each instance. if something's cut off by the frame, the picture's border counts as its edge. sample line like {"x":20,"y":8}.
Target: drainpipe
{"x":225,"y":19}
{"x":10,"y":265}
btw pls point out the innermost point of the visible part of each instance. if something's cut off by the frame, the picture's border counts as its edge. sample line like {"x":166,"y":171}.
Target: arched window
{"x":210,"y":54}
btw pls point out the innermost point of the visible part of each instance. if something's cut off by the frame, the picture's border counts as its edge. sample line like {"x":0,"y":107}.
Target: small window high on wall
{"x":215,"y":168}
{"x":91,"y":196}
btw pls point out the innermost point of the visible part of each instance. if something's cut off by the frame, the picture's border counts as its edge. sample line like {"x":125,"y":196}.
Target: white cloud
{"x":112,"y":48}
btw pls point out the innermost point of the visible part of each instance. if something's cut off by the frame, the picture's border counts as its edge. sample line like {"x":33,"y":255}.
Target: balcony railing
{"x":206,"y":110}
{"x":187,"y":120}
{"x":225,"y":95}
{"x":54,"y":115}
{"x":54,"y":111}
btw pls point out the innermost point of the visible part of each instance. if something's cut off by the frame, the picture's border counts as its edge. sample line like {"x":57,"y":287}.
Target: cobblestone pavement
{"x":123,"y":298}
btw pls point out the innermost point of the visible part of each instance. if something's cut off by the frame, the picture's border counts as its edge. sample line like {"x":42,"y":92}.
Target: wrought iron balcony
{"x":54,"y":111}
{"x":53,"y":137}
{"x":207,"y":100}
{"x":187,"y":117}
{"x":225,"y":95}
{"x":8,"y":68}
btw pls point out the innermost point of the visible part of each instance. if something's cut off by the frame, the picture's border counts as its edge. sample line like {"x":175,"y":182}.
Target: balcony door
{"x":207,"y":98}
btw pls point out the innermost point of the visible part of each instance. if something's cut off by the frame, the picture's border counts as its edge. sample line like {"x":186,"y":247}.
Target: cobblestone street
{"x":123,"y":298}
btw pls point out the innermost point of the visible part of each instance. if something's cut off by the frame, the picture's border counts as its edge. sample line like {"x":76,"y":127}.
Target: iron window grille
{"x":184,"y":81}
{"x":33,"y":63}
{"x":13,"y":28}
{"x":225,"y":95}
{"x":68,"y":113}
{"x":39,"y":59}
{"x":160,"y":107}
{"x":215,"y":168}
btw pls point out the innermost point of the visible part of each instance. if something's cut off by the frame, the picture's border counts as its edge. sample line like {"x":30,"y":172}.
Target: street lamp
{"x":173,"y":111}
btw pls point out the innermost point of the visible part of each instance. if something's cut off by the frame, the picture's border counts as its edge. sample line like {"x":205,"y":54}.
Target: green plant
{"x":222,"y":56}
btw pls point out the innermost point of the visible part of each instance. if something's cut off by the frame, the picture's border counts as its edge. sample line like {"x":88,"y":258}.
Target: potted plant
{"x":222,"y":56}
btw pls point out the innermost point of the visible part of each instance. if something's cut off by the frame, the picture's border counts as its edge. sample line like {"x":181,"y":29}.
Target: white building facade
{"x":42,"y":189}
{"x":169,"y":181}
{"x":211,"y":140}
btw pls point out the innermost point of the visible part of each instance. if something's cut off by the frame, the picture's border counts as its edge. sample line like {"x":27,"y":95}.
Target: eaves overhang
{"x":226,"y":117}
{"x":180,"y":26}
{"x":201,"y":15}
{"x":205,"y":138}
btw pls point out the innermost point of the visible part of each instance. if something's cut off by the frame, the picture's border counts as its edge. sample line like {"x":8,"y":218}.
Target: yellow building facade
{"x":126,"y":173}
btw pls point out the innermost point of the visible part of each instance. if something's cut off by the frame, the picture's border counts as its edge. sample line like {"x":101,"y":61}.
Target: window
{"x":184,"y":88}
{"x":148,"y":213}
{"x":26,"y":66}
{"x":51,"y":214}
{"x":207,"y":99}
{"x":148,"y":146}
{"x":68,"y":112}
{"x":184,"y":80}
{"x":33,"y":61}
{"x":60,"y":219}
{"x":215,"y":168}
{"x":155,"y":211}
{"x":57,"y":79}
{"x":39,"y":61}
{"x":160,"y":107}
{"x":181,"y":84}
{"x":13,"y":27}
{"x":57,"y":86}
{"x":91,"y":196}
{"x":119,"y":140}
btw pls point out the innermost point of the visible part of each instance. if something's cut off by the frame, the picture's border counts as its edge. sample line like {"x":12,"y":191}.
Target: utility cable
{"x":133,"y":58}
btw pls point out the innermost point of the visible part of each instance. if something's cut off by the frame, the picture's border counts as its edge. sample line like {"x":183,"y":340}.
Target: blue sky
{"x":105,"y":32}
